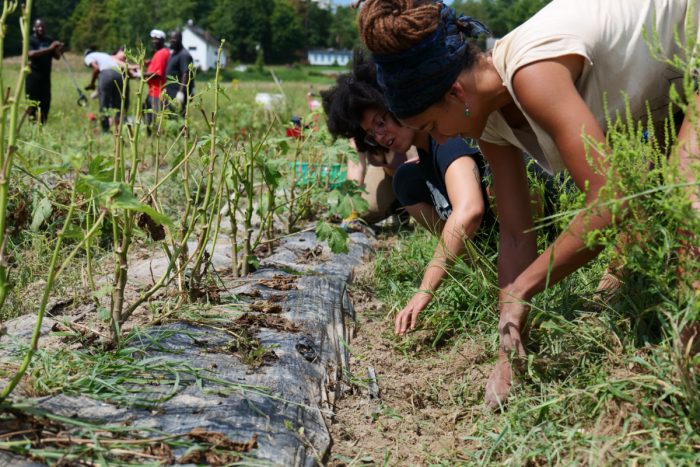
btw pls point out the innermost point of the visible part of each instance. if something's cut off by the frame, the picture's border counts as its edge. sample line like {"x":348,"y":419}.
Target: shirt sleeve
{"x":453,"y":149}
{"x":409,"y":185}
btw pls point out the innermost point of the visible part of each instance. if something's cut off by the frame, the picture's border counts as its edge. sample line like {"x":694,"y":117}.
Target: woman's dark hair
{"x":346,"y":102}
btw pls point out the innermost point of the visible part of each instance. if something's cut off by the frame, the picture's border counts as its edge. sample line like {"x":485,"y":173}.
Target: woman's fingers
{"x":403,"y":320}
{"x":414,"y":318}
{"x":507,"y":343}
{"x":398,"y":323}
{"x":511,"y":340}
{"x":517,"y":341}
{"x":407,"y":319}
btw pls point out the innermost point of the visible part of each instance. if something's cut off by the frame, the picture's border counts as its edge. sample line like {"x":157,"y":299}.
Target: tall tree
{"x":244,"y":25}
{"x":474,"y":8}
{"x":501,"y":16}
{"x":107,"y":24}
{"x":506,"y":15}
{"x":90,"y":25}
{"x":172,"y":15}
{"x":343,"y":31}
{"x":287,"y":32}
{"x":317,"y":22}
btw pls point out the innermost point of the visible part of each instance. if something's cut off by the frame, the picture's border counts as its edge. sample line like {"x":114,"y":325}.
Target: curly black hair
{"x":346,"y":102}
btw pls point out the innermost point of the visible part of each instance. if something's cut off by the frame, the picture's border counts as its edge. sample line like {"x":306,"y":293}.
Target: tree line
{"x":501,"y":16}
{"x":284,"y":29}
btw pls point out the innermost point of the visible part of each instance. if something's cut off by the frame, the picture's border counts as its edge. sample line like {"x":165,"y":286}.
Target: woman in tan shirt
{"x":542,"y":90}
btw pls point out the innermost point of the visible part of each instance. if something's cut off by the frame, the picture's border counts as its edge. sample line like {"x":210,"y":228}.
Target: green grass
{"x":606,"y":382}
{"x":603,"y":384}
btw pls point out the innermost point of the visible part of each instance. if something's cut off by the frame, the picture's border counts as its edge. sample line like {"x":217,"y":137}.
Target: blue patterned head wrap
{"x":416,"y":78}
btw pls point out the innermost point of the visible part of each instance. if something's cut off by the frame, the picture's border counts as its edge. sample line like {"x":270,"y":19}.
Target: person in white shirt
{"x":108,"y":73}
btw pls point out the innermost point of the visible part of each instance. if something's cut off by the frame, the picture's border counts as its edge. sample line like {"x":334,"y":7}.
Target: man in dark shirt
{"x":42,"y":50}
{"x":179,"y":70}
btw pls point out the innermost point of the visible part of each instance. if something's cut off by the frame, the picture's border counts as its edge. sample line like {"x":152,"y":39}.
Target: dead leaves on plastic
{"x":280,"y":282}
{"x":215,"y":448}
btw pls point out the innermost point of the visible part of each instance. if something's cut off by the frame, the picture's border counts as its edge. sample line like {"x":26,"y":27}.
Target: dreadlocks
{"x":392,"y":26}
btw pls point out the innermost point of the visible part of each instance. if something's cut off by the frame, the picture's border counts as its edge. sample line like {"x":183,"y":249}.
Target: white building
{"x":329,"y":57}
{"x":323,"y":4}
{"x":202,"y":46}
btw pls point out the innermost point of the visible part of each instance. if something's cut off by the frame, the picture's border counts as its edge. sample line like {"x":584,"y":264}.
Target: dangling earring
{"x":467,"y":113}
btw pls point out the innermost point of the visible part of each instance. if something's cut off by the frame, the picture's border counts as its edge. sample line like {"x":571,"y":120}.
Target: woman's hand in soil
{"x":407,"y":318}
{"x":512,"y":314}
{"x":499,"y":382}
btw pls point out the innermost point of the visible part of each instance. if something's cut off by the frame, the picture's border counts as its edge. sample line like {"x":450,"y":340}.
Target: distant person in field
{"x":179,"y":70}
{"x":42,"y":51}
{"x":107,"y":72}
{"x":155,"y":75}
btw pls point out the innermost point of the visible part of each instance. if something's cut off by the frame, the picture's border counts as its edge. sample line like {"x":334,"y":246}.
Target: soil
{"x":428,"y":399}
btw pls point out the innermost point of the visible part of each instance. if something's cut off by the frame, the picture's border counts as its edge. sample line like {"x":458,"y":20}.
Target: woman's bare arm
{"x":517,"y":241}
{"x":464,"y":191}
{"x":547,"y":93}
{"x":689,"y":150}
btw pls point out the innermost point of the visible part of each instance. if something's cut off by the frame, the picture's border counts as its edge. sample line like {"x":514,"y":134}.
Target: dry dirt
{"x":428,"y":403}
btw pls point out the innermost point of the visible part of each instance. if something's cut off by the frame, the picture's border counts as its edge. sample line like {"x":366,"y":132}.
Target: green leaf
{"x":283,"y":145}
{"x":254,"y":261}
{"x":336,"y":237}
{"x":41,"y":213}
{"x":345,"y":207}
{"x":118,"y":195}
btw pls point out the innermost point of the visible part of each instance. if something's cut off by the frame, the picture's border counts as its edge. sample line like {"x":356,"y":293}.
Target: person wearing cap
{"x":42,"y":51}
{"x":178,"y":71}
{"x":155,"y":75}
{"x":107,"y":72}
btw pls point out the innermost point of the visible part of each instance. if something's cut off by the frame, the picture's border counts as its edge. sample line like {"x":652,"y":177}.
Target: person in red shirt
{"x":155,"y":75}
